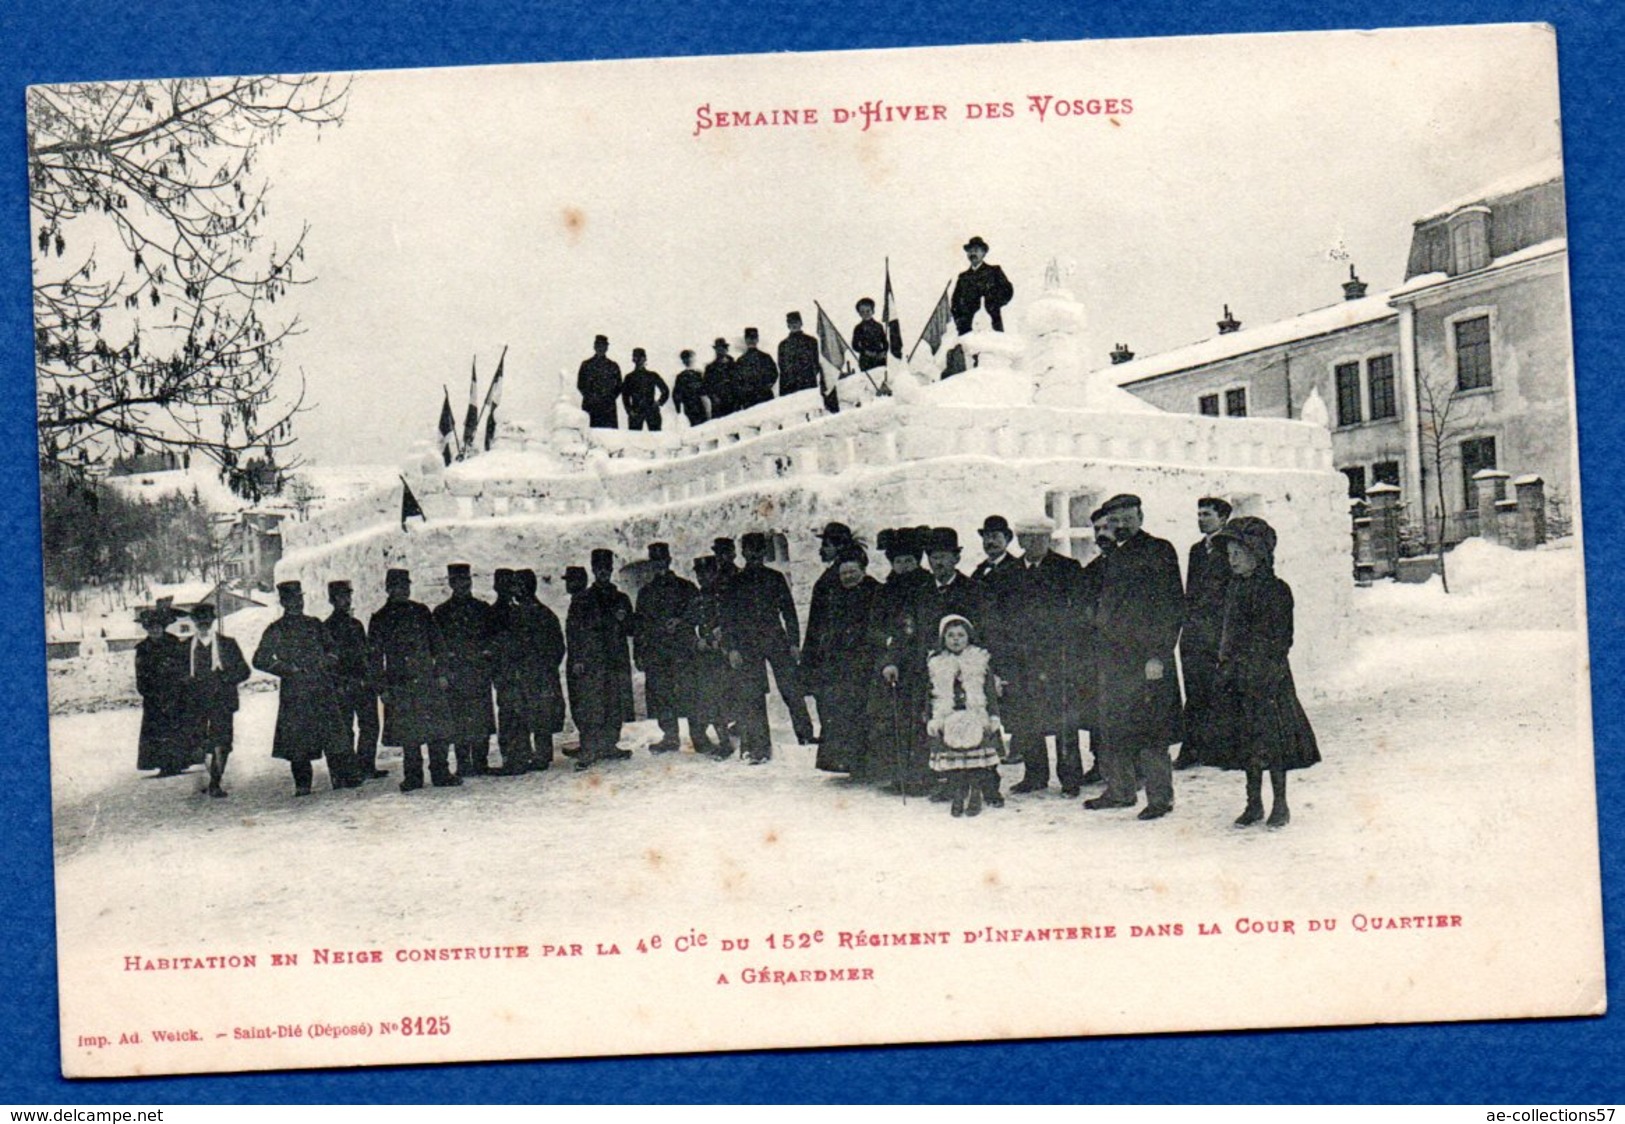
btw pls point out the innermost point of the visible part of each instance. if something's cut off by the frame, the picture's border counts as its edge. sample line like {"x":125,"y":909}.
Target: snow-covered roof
{"x":1545,"y":171}
{"x":181,"y":593}
{"x":1528,"y":253}
{"x":1319,"y":322}
{"x":211,"y":490}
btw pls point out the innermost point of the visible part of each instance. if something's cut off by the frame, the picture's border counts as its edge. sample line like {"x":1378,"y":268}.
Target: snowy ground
{"x":1455,"y":735}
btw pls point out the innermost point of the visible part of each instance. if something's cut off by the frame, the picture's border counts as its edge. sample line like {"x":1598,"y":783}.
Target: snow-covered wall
{"x":938,"y":455}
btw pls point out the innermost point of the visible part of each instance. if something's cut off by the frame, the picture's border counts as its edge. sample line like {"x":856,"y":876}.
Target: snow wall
{"x":936,"y":454}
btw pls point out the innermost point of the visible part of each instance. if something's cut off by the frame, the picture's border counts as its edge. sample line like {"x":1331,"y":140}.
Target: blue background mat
{"x":1572,"y":1061}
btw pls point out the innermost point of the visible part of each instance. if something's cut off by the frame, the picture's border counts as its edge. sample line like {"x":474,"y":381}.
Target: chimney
{"x":1353,"y":288}
{"x":1229,"y":323}
{"x":1121,"y":354}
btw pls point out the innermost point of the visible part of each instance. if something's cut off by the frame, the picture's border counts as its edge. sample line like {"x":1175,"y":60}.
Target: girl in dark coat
{"x":1261,"y":724}
{"x":159,"y":670}
{"x":843,"y":667}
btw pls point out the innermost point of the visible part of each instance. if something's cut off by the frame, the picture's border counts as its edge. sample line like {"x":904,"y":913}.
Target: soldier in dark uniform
{"x":718,"y":383}
{"x":798,"y":358}
{"x":158,"y":673}
{"x":663,"y":647}
{"x":898,"y":685}
{"x":1094,"y":575}
{"x":762,"y":630}
{"x":1141,"y":605}
{"x":501,"y":641}
{"x":832,"y":540}
{"x":464,"y":623}
{"x":980,"y":285}
{"x":688,"y":392}
{"x":214,"y":669}
{"x":405,"y":649}
{"x":722,"y":549}
{"x":754,"y":373}
{"x":358,"y":699}
{"x":715,"y":695}
{"x":597,"y":630}
{"x":309,"y":726}
{"x":599,"y":381}
{"x":529,"y":649}
{"x":1207,"y":577}
{"x":1052,"y":636}
{"x":869,"y":337}
{"x":643,"y":392}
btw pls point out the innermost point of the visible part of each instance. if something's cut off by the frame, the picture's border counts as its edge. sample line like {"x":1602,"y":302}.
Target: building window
{"x":1477,"y":454}
{"x":1379,"y":371}
{"x":1472,"y":353}
{"x":1356,"y":475}
{"x":1208,"y":405}
{"x":1348,"y":394}
{"x":1235,"y":402}
{"x":1385,"y":472}
{"x":1469,"y":241}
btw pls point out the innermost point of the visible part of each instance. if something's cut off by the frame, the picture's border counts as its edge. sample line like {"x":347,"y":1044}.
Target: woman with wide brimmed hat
{"x":1261,"y":724}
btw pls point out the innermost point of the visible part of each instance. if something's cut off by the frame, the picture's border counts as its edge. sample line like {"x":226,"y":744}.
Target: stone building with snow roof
{"x":1479,"y":325}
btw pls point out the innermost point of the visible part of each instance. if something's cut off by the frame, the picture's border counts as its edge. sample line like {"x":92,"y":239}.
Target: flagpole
{"x":927,"y":327}
{"x":454,"y":440}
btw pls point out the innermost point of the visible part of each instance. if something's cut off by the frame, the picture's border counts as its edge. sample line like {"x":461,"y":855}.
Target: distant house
{"x":1481,"y":319}
{"x":185,"y":596}
{"x":253,"y":545}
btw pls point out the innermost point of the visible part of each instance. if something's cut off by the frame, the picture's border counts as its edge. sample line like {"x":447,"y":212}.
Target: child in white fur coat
{"x":964,"y":722}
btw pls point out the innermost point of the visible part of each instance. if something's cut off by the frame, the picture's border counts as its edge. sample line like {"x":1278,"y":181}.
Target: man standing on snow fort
{"x":980,"y":285}
{"x":599,"y":381}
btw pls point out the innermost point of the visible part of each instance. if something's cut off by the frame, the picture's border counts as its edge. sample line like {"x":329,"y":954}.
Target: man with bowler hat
{"x":296,"y":649}
{"x":663,"y":647}
{"x":1048,"y":692}
{"x":982,"y":285}
{"x":358,"y":700}
{"x":898,"y":694}
{"x":718,"y":383}
{"x":405,"y":649}
{"x":1137,"y":621}
{"x":599,"y":381}
{"x":464,"y":623}
{"x":597,"y":630}
{"x":688,"y":392}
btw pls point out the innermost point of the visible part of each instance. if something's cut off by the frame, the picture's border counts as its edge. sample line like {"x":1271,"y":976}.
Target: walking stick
{"x":898,"y":754}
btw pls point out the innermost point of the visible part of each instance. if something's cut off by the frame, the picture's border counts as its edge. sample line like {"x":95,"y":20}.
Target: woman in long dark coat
{"x":1261,"y":725}
{"x":845,"y":666}
{"x":160,"y":667}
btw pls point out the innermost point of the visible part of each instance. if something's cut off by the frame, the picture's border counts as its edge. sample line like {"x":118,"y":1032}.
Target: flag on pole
{"x":894,"y":330}
{"x":448,"y":428}
{"x":410,"y":508}
{"x":834,"y":356}
{"x":937,"y":326}
{"x":493,"y":399}
{"x":471,"y":418}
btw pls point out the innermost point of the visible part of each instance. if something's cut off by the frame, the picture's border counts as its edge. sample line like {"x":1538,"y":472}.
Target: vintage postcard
{"x":733,"y":553}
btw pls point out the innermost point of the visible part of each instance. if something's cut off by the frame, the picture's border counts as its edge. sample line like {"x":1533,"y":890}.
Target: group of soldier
{"x":1073,"y":648}
{"x":729,"y":384}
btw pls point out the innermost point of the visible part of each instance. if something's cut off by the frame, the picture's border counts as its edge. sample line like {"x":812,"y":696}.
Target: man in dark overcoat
{"x":599,"y":381}
{"x":214,"y":669}
{"x":597,"y":630}
{"x":761,"y":627}
{"x":798,"y":358}
{"x":754,"y":373}
{"x":716,"y":695}
{"x":158,"y":673}
{"x":1207,"y":577}
{"x":358,"y":698}
{"x":643,"y":392}
{"x":982,"y":285}
{"x":718,"y":383}
{"x":309,"y":726}
{"x":1137,"y":618}
{"x":405,"y":649}
{"x":1047,"y":683}
{"x":663,"y":647}
{"x":465,"y":626}
{"x":529,"y":649}
{"x":1094,"y":576}
{"x":503,"y":657}
{"x":832,"y":540}
{"x":898,"y":698}
{"x":688,"y":392}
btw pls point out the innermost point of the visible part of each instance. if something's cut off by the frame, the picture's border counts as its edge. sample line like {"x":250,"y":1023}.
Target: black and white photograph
{"x":708,"y":554}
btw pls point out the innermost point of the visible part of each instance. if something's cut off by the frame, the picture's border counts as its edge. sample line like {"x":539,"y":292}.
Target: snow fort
{"x":1028,"y":429}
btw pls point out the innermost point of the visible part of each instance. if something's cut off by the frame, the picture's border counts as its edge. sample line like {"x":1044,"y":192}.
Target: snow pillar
{"x":1531,"y":522}
{"x":1490,"y":485}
